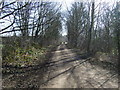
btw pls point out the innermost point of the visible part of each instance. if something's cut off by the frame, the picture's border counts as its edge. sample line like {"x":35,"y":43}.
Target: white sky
{"x":65,"y":4}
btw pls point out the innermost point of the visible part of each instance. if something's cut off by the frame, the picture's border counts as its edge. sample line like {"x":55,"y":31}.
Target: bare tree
{"x":91,"y":27}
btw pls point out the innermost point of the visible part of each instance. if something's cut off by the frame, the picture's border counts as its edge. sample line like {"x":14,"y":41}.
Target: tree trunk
{"x":91,"y":27}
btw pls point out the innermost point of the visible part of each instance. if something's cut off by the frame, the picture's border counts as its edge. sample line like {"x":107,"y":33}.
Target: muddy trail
{"x":66,"y":69}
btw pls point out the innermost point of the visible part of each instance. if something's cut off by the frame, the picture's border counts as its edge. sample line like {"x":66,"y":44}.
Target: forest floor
{"x":66,"y":69}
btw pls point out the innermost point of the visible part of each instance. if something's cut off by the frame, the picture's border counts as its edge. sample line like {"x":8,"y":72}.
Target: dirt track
{"x":65,"y":70}
{"x":68,"y":70}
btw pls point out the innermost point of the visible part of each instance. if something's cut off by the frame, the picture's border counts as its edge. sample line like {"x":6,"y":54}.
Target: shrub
{"x":15,"y":55}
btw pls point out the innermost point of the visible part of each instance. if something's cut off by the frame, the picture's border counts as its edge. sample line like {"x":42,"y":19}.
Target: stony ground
{"x":65,"y":70}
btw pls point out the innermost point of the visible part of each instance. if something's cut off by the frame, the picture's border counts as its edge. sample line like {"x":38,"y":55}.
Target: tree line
{"x":91,"y":27}
{"x":94,"y":27}
{"x":39,"y":20}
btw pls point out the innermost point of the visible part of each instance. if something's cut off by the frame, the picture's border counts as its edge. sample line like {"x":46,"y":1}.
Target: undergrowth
{"x":13,"y":54}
